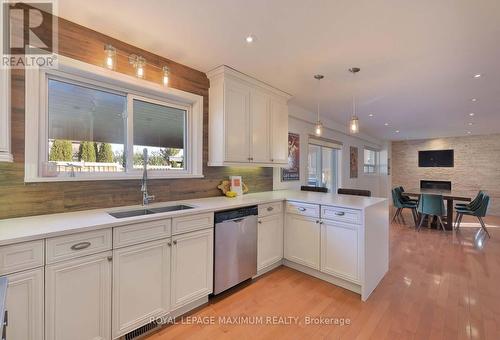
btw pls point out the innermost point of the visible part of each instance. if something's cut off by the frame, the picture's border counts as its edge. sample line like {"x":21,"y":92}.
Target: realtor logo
{"x":29,"y":36}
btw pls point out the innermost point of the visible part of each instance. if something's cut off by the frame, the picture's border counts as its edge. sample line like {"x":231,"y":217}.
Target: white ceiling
{"x":417,"y":58}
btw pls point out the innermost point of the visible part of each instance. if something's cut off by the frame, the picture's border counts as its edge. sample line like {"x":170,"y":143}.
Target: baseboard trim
{"x":268,"y":268}
{"x":356,"y":288}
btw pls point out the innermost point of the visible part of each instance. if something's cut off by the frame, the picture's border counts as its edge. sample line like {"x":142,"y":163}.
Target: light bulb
{"x":110,"y":57}
{"x":166,"y":74}
{"x":354,"y":125}
{"x":318,"y":129}
{"x":140,"y":71}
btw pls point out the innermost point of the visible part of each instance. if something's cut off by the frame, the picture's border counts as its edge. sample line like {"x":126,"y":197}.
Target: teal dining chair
{"x":431,"y":205}
{"x":399,"y":204}
{"x":479,"y":212}
{"x":473,"y":205}
{"x":406,"y":198}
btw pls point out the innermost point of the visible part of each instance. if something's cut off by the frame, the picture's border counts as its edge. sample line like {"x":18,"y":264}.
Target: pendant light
{"x":354,"y":121}
{"x":318,"y":129}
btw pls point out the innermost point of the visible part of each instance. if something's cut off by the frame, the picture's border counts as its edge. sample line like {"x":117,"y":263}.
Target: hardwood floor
{"x":439,"y":286}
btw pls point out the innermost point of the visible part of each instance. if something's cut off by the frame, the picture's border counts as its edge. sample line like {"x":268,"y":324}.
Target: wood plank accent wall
{"x":477,"y":162}
{"x":24,"y":199}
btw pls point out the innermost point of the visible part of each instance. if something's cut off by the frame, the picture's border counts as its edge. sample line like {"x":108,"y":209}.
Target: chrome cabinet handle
{"x":302,"y":209}
{"x":270,"y":208}
{"x":320,"y":222}
{"x":175,"y":241}
{"x":169,"y":244}
{"x":80,"y":246}
{"x":340,"y":213}
{"x":317,"y":221}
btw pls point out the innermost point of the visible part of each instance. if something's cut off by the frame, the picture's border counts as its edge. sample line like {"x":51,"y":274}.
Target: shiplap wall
{"x":477,"y":165}
{"x":20,"y":199}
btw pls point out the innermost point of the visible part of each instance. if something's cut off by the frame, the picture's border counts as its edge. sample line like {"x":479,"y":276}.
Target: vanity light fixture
{"x":139,"y":63}
{"x":110,"y":57}
{"x":166,"y":73}
{"x":318,"y":129}
{"x":354,"y":122}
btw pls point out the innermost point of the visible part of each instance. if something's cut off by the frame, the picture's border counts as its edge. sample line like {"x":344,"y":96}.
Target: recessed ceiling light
{"x":472,"y":114}
{"x":473,"y":100}
{"x":477,"y":75}
{"x":371,"y":115}
{"x":397,"y":131}
{"x":468,"y":132}
{"x":386,"y":124}
{"x":471,"y":123}
{"x":250,"y":39}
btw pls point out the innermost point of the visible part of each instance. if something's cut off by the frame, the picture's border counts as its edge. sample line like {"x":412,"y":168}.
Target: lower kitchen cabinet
{"x":270,"y":240}
{"x":192,"y":267}
{"x":302,"y":240}
{"x":141,"y":285}
{"x":339,"y":250}
{"x":78,"y":298}
{"x":24,"y":303}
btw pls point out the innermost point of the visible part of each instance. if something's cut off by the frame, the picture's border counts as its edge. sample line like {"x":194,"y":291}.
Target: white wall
{"x":302,"y":122}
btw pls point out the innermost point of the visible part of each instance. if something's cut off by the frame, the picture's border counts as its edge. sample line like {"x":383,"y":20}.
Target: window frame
{"x":83,"y":74}
{"x":332,"y":147}
{"x":5,"y":109}
{"x":374,"y":166}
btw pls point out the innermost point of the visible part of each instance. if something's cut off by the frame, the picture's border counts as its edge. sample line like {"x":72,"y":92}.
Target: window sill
{"x":110,"y":178}
{"x":6,"y":157}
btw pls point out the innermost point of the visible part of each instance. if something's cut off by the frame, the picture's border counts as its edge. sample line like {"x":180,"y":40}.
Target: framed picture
{"x":292,"y":173}
{"x":353,"y":164}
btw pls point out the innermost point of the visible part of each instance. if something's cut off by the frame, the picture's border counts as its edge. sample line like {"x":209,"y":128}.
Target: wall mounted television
{"x":436,"y":158}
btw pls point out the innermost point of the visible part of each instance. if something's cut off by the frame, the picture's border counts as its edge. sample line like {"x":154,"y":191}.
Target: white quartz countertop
{"x":39,"y":227}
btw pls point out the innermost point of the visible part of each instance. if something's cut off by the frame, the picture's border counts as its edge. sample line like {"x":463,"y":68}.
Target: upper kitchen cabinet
{"x":248,"y":121}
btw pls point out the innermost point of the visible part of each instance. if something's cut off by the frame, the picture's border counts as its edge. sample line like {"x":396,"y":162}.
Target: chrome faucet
{"x":146,"y":198}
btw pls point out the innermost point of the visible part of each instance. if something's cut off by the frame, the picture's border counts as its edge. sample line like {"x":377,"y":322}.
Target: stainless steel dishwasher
{"x":235,"y":247}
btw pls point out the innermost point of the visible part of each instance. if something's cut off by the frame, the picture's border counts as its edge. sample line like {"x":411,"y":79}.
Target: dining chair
{"x":406,"y":198}
{"x":479,"y":212}
{"x":474,"y":203}
{"x":399,"y":204}
{"x":431,"y":205}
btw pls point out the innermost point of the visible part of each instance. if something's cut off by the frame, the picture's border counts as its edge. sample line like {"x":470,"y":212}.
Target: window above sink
{"x":90,"y":123}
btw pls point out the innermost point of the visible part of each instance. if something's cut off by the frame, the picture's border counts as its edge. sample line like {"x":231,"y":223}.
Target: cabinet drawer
{"x":341,"y":214}
{"x":21,"y":256}
{"x":270,"y":209}
{"x":76,"y":245}
{"x":185,"y":224}
{"x":141,"y":232}
{"x":304,"y":209}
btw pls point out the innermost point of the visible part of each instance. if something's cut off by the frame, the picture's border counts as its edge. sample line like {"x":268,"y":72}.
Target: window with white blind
{"x":323,"y":159}
{"x":91,"y":123}
{"x":370,"y":161}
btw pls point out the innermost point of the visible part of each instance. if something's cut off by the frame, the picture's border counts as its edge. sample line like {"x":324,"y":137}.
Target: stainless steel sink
{"x":142,"y":212}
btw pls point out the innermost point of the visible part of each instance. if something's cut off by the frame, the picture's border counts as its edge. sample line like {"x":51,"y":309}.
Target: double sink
{"x":149,"y":211}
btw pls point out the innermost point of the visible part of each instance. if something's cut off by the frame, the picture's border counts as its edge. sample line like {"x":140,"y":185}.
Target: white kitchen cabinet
{"x":248,"y":121}
{"x":24,"y":303}
{"x":141,"y":285}
{"x":192,"y":267}
{"x":78,"y":298}
{"x":260,"y":150}
{"x":236,"y":131}
{"x":279,"y":128}
{"x":340,"y":250}
{"x":270,"y":240}
{"x":302,"y":240}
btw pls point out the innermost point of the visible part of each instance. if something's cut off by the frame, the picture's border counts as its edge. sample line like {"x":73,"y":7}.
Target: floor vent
{"x":139,"y":332}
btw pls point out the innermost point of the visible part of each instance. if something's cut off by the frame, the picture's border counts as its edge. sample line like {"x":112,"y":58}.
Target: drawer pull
{"x":270,"y":208}
{"x":260,"y":221}
{"x":175,"y":241}
{"x":80,"y":246}
{"x":301,"y":209}
{"x":340,"y":213}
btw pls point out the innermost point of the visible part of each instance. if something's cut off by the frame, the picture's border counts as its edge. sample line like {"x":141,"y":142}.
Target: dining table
{"x":448,"y":195}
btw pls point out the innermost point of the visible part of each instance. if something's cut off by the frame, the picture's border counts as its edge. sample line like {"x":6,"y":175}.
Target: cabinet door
{"x":260,"y":127}
{"x":24,"y":303}
{"x":78,"y":298}
{"x":192,"y":266}
{"x":236,"y":122}
{"x":339,"y":250}
{"x":270,"y":240}
{"x":302,"y":240}
{"x":279,"y":131}
{"x":141,"y":285}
